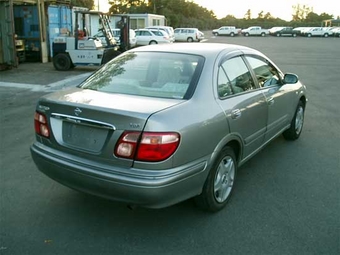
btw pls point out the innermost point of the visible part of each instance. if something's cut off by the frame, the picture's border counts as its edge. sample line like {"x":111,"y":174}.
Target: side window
{"x":223,"y":84}
{"x":237,"y":77}
{"x":265,"y":73}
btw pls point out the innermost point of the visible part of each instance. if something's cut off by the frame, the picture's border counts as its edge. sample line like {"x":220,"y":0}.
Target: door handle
{"x":236,"y":113}
{"x":270,"y":101}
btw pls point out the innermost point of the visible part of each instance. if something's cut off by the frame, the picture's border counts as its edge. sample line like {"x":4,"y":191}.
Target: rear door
{"x":243,"y":103}
{"x":181,"y":35}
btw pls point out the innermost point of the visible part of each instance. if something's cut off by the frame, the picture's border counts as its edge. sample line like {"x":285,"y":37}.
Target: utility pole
{"x":43,"y":33}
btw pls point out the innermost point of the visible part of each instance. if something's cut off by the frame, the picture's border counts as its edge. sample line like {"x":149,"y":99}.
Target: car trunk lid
{"x":87,"y":123}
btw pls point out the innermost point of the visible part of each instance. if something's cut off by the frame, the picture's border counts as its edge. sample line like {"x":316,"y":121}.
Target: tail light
{"x":41,"y":125}
{"x":147,"y":146}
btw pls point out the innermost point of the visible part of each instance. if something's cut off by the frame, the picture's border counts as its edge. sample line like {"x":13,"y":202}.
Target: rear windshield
{"x":153,"y":74}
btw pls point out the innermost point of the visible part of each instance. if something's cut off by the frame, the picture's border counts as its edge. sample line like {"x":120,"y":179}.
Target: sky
{"x":277,"y":8}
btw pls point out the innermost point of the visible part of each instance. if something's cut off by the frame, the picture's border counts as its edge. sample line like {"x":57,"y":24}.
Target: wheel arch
{"x":303,"y":99}
{"x":236,"y":146}
{"x":233,"y":141}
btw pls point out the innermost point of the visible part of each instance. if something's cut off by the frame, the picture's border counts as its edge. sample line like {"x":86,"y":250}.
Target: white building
{"x":136,"y":21}
{"x":145,"y":20}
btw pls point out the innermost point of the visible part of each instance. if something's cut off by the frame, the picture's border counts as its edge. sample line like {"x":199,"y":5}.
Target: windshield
{"x":154,"y":74}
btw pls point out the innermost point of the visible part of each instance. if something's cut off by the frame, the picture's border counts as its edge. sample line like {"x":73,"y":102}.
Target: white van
{"x":188,"y":35}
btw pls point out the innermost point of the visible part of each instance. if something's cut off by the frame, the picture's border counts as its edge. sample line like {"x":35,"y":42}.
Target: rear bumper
{"x":131,"y":186}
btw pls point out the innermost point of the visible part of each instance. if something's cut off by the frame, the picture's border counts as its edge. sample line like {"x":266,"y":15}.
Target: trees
{"x":248,"y":14}
{"x":83,"y":3}
{"x":129,"y":6}
{"x":300,"y":12}
{"x":184,"y":13}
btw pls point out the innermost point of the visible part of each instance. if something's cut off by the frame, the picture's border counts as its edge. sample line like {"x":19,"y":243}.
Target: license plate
{"x":84,"y":137}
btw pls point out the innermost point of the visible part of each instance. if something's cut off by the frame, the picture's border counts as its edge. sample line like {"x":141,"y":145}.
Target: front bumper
{"x":131,"y":186}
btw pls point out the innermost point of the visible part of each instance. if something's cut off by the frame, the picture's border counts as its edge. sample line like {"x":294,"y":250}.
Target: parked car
{"x":164,"y":123}
{"x":227,"y":30}
{"x":273,"y":29}
{"x":188,"y":35}
{"x":336,"y":32}
{"x":132,"y":36}
{"x":317,"y":31}
{"x":116,"y":35}
{"x":149,"y":36}
{"x":255,"y":31}
{"x":332,"y":30}
{"x":300,"y":30}
{"x":169,"y":30}
{"x":284,"y":31}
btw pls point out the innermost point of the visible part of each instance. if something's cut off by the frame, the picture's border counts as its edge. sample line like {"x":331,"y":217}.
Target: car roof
{"x":204,"y":49}
{"x":186,"y":28}
{"x":144,"y":29}
{"x":159,"y":27}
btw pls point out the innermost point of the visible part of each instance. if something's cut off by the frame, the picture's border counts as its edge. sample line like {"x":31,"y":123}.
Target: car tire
{"x":190,"y":39}
{"x":62,"y":62}
{"x":294,"y":35}
{"x":263,"y":34}
{"x":246,"y":34}
{"x":109,"y":54}
{"x":278,"y":35}
{"x":232,"y":34}
{"x":309,"y":35}
{"x":325,"y":35}
{"x":153,"y":42}
{"x":219,"y":184}
{"x":296,"y":125}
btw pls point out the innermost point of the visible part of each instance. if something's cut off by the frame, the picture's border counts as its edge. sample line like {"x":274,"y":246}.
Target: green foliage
{"x":83,"y":3}
{"x":184,"y":13}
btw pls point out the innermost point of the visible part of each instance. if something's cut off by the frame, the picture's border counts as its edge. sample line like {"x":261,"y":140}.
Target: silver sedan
{"x":164,"y":123}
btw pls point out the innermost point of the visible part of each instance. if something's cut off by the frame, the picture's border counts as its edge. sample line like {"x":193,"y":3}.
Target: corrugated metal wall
{"x":7,"y":45}
{"x":59,"y":23}
{"x":27,"y":28}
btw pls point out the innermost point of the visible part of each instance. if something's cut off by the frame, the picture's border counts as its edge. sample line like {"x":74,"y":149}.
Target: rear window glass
{"x":116,"y":32}
{"x":153,"y":74}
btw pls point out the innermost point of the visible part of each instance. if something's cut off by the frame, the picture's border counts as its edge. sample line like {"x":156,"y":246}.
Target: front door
{"x":277,"y":95}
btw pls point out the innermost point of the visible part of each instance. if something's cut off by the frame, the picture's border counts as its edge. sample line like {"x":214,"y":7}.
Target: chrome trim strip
{"x":83,"y":121}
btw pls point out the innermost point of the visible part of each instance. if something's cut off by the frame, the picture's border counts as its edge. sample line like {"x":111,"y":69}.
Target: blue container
{"x":59,"y":21}
{"x":26,"y":22}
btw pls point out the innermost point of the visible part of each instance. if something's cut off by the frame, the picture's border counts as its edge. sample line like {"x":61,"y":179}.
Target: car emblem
{"x":77,"y":111}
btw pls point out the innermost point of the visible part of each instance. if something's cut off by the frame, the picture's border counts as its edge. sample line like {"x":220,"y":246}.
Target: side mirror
{"x":290,"y":78}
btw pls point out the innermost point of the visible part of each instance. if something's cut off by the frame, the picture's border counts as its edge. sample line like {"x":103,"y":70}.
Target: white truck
{"x":255,"y":30}
{"x":227,"y":30}
{"x":318,"y":31}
